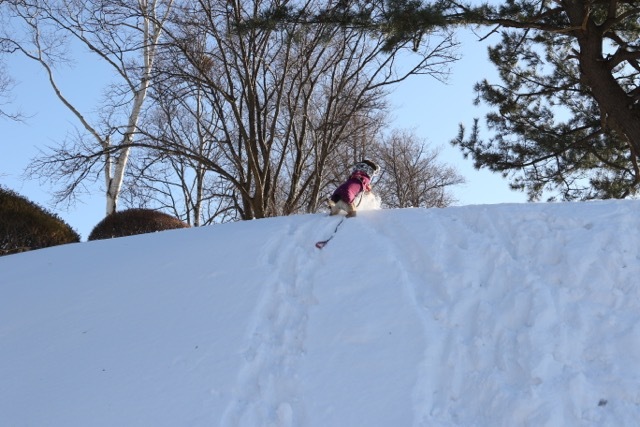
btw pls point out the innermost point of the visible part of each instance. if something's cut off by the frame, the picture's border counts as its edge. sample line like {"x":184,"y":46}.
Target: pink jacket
{"x":347,"y":192}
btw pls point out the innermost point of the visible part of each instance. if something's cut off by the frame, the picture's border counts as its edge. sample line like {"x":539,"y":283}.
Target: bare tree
{"x":6,"y":81}
{"x":121,"y":34}
{"x":6,"y":85}
{"x":179,"y":183}
{"x":412,"y":174}
{"x":288,"y":99}
{"x":178,"y":186}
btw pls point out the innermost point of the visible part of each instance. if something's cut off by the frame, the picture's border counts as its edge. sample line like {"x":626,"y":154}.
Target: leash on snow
{"x":321,"y":244}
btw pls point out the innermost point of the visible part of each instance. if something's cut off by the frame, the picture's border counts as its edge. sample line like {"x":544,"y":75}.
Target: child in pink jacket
{"x":359,"y":180}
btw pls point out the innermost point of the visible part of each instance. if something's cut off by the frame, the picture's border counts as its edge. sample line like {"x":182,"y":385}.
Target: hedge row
{"x":26,"y":226}
{"x":134,"y":221}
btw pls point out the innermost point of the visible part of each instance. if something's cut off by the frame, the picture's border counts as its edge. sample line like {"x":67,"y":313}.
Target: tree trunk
{"x":618,"y":111}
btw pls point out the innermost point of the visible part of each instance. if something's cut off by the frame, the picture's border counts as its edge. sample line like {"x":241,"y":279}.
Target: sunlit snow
{"x":497,"y":315}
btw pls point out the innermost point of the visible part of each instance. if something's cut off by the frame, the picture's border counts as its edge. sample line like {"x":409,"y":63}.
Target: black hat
{"x":373,"y":165}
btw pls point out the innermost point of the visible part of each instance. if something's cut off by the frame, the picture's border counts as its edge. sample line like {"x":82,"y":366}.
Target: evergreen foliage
{"x":131,"y":222}
{"x":565,"y":117}
{"x":398,"y":21}
{"x":26,"y":226}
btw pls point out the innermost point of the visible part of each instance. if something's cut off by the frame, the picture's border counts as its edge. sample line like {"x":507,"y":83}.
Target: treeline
{"x":211,"y":119}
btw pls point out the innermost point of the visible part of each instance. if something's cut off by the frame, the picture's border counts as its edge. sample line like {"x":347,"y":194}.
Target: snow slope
{"x":501,"y":315}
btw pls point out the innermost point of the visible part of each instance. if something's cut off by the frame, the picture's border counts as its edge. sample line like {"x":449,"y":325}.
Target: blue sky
{"x":421,"y":103}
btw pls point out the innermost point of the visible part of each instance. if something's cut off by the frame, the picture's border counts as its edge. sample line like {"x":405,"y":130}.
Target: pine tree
{"x":565,"y":117}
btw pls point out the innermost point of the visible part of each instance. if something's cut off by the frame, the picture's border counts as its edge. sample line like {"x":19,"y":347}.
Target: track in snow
{"x":267,"y":390}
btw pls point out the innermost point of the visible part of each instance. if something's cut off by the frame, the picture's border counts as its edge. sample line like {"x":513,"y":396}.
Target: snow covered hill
{"x":501,"y":315}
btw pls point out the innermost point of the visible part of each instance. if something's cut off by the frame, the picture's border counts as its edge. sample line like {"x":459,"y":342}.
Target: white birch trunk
{"x":115,"y":174}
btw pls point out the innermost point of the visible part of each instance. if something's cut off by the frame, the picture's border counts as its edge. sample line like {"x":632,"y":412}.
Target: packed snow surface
{"x":500,"y":315}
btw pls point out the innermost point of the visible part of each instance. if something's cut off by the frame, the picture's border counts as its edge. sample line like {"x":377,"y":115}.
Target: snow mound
{"x":501,"y":315}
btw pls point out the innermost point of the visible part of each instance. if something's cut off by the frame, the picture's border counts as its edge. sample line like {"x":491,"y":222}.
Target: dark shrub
{"x":134,"y":221}
{"x":25,"y":226}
